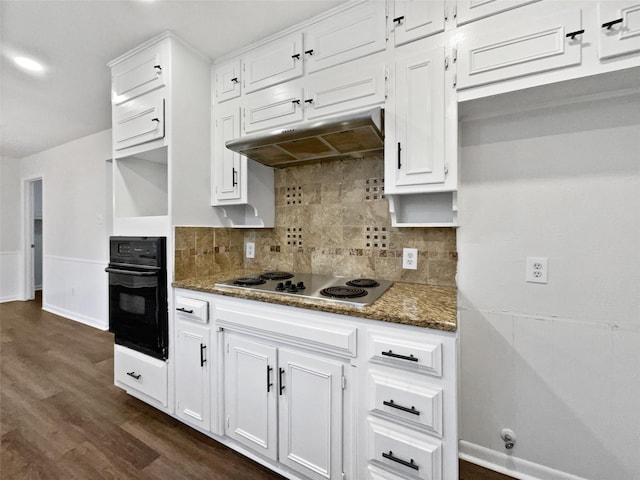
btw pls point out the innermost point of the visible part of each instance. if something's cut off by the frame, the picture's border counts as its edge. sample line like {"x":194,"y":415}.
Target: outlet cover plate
{"x":537,"y":269}
{"x":250,"y":250}
{"x":410,"y":258}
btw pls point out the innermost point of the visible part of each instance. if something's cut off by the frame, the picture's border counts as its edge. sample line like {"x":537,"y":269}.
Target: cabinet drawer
{"x":346,"y":87}
{"x":140,"y":372}
{"x":350,"y":34}
{"x":414,"y":402}
{"x":402,"y":352}
{"x":521,"y":48}
{"x":272,"y":108}
{"x":139,"y":74}
{"x":138,"y":121}
{"x":274,"y":63}
{"x":404,"y":451}
{"x":192,"y":309}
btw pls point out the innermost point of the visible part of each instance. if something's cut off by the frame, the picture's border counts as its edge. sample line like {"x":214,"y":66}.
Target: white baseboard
{"x":92,"y":322}
{"x":10,"y":298}
{"x":509,"y":465}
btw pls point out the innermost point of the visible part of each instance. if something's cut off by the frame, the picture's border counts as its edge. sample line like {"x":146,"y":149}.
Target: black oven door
{"x":138,"y":309}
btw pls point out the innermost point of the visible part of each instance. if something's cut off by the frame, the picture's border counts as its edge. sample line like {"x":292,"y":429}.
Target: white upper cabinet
{"x":139,"y":74}
{"x":228,"y":168}
{"x":273,"y":107}
{"x":470,"y":10}
{"x":138,"y":121}
{"x":349,"y":34}
{"x":619,"y":28}
{"x":273,"y":63}
{"x":227,"y":80}
{"x":530,"y":45}
{"x":415,"y":124}
{"x":415,"y":19}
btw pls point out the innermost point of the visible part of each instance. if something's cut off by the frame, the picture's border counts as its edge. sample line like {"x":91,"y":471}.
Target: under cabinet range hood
{"x":353,"y":135}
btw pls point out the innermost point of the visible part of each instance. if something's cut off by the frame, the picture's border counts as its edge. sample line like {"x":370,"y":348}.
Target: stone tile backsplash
{"x":331,"y":218}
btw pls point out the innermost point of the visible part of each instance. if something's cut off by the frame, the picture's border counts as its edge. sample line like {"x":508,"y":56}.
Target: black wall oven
{"x":138,"y":294}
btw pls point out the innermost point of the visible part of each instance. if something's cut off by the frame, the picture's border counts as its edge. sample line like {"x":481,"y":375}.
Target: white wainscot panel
{"x":10,"y":276}
{"x":77,"y":289}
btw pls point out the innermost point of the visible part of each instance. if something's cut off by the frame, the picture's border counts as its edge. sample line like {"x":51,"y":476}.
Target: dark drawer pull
{"x":202,"y":359}
{"x":398,"y":20}
{"x":411,"y":358}
{"x":610,"y":24}
{"x":309,"y":52}
{"x":182,"y":309}
{"x":234,"y":177}
{"x":392,"y":404}
{"x":269,"y":384}
{"x":309,"y":100}
{"x":133,"y":374}
{"x":409,"y":464}
{"x":155,"y":120}
{"x":280,"y":375}
{"x":158,"y":68}
{"x":573,"y":35}
{"x":234,"y":80}
{"x":296,"y":56}
{"x":295,"y":102}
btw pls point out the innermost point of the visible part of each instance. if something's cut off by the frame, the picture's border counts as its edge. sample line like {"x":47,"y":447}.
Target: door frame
{"x":28,"y":235}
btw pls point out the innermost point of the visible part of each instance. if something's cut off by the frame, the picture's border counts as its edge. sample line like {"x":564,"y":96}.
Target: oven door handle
{"x":134,"y":273}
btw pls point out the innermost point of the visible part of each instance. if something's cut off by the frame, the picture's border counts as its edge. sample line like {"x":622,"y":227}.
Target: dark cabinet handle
{"x":269,"y":384}
{"x":281,"y":380}
{"x":398,"y":20}
{"x":308,"y":52}
{"x":411,"y":358}
{"x":409,"y":464}
{"x":234,"y":79}
{"x":158,"y":68}
{"x":203,"y":347}
{"x":392,"y":404}
{"x":181,"y":309}
{"x":133,"y":374}
{"x":295,"y":102}
{"x":234,"y":177}
{"x":155,"y":120}
{"x":610,"y":24}
{"x":309,"y":100}
{"x":296,"y":56}
{"x":399,"y":153}
{"x":573,"y":35}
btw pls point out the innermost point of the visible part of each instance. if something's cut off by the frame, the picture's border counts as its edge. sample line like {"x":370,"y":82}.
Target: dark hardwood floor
{"x":61,"y":417}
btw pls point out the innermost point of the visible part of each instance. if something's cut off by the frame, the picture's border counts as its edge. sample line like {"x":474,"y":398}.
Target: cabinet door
{"x":138,"y":121}
{"x":347,"y":87}
{"x":310,"y":411}
{"x":274,"y":63}
{"x":470,"y":10}
{"x":522,"y":48}
{"x":272,"y":108}
{"x":227,"y":164}
{"x":619,"y":27}
{"x":192,"y":360}
{"x":349,"y":34}
{"x":139,"y":74}
{"x":250,"y":373}
{"x":414,"y":19}
{"x":227,"y":80}
{"x":415,"y":153}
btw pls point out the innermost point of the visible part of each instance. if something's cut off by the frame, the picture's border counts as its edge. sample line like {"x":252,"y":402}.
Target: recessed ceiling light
{"x":29,"y":64}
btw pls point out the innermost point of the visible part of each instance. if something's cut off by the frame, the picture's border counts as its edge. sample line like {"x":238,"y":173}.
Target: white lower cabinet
{"x":141,"y":375}
{"x":193,"y":373}
{"x":285,"y":404}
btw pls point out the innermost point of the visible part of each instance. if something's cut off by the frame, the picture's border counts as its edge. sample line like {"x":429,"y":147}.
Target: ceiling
{"x":75,"y":39}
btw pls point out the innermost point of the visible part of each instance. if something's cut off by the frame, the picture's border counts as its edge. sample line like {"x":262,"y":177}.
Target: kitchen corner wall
{"x":331,"y":218}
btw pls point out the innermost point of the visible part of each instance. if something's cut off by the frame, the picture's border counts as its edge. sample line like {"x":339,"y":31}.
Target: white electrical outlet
{"x":537,"y":269}
{"x":250,"y":250}
{"x":410,"y":258}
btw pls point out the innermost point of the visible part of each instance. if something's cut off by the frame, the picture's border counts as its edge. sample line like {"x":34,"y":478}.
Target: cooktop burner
{"x":276,"y":275}
{"x":343,"y":292}
{"x":363,"y":283}
{"x":249,"y":281}
{"x":357,"y":292}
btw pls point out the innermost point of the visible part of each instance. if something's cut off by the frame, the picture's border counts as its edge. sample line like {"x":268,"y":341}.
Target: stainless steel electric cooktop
{"x":357,"y":292}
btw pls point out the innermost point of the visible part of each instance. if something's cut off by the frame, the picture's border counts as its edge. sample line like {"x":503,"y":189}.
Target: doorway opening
{"x":34,"y":281}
